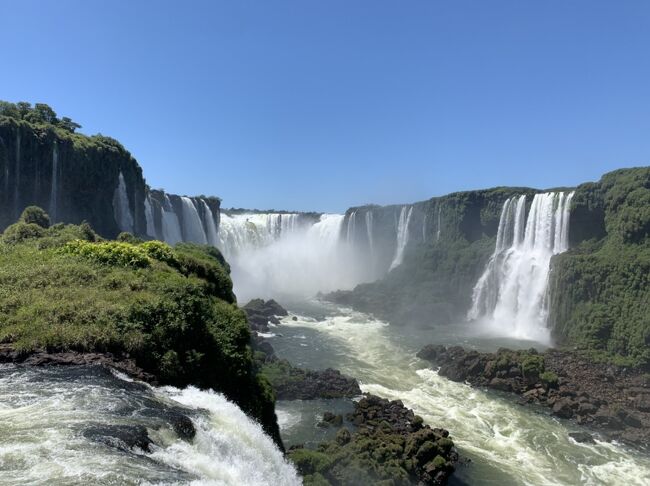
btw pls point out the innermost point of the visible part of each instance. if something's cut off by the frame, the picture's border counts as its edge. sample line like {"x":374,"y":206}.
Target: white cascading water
{"x":170,"y":225}
{"x":54,"y":192}
{"x":510,"y":297}
{"x":211,"y":230}
{"x":288,"y":255}
{"x":192,"y":225}
{"x":438,"y":229}
{"x":17,"y":173}
{"x":53,"y":420}
{"x":402,"y":235}
{"x":369,"y":231}
{"x":351,"y":228}
{"x":148,"y":216}
{"x":121,"y":206}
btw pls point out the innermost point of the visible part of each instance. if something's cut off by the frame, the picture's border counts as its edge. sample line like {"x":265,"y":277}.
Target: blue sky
{"x":322,"y":105}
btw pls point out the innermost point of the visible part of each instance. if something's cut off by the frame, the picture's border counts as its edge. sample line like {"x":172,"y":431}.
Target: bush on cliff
{"x":35,"y":215}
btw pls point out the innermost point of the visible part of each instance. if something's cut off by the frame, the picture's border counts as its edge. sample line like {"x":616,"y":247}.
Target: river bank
{"x":612,"y":400}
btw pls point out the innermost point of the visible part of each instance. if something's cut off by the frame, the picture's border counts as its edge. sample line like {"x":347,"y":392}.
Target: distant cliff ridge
{"x":95,"y":179}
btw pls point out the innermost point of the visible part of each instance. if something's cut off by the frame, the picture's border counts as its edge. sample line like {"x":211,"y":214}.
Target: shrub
{"x":19,"y":232}
{"x":109,"y":253}
{"x":549,"y":379}
{"x":35,"y":215}
{"x":160,"y":251}
{"x":127,"y":237}
{"x":532,"y":365}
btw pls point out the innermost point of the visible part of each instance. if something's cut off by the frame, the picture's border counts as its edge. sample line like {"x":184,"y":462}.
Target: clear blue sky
{"x":325,"y":104}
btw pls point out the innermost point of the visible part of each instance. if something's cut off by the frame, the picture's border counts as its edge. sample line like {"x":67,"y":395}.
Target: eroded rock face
{"x":613,"y":400}
{"x":71,"y":358}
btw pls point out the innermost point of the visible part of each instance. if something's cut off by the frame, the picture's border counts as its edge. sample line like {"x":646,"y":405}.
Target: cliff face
{"x":600,"y":288}
{"x":449,"y":240}
{"x":77,"y":178}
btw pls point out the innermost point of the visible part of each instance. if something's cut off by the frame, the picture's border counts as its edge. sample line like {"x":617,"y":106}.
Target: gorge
{"x":365,"y":290}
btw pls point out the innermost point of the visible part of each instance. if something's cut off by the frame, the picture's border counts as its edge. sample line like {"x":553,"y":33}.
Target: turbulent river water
{"x":61,"y":426}
{"x":508,"y":444}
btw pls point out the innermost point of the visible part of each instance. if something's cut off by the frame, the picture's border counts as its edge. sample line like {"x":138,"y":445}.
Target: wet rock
{"x":563,"y":408}
{"x":582,"y":437}
{"x":41,"y":357}
{"x":500,"y":384}
{"x":123,"y":437}
{"x":615,"y":400}
{"x":260,"y":313}
{"x":302,"y":384}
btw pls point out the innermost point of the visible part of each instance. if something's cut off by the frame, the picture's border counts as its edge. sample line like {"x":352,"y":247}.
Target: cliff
{"x":88,"y":178}
{"x":70,"y":297}
{"x":450,"y":240}
{"x":600,"y":288}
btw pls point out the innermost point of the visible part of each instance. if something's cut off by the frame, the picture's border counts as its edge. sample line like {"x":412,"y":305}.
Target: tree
{"x":9,"y":109}
{"x":67,"y":124}
{"x":46,"y":113}
{"x":23,"y":108}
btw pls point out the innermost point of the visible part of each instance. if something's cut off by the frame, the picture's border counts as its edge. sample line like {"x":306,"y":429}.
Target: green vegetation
{"x":87,"y":173}
{"x":379,"y":457}
{"x":171,"y":309}
{"x":40,"y":113}
{"x":601,"y":288}
{"x":549,"y":379}
{"x":35,"y":215}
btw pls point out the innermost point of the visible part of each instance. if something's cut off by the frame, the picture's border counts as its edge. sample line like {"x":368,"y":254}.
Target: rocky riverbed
{"x":611,"y":400}
{"x":388,"y":443}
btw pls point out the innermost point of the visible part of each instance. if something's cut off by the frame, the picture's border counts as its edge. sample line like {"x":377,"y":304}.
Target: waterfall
{"x":511,"y":294}
{"x":211,"y":227}
{"x":438,"y":228}
{"x":289,"y":255}
{"x":402,"y":235}
{"x":424,"y":228}
{"x":369,"y":231}
{"x":121,"y":206}
{"x":192,"y":225}
{"x":54,"y":191}
{"x":148,"y":214}
{"x":170,"y":226}
{"x":17,"y":175}
{"x":352,"y":222}
{"x":240,"y":232}
{"x":57,"y":423}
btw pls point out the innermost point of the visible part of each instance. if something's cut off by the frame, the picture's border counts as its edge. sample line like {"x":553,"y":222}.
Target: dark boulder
{"x":582,"y":437}
{"x":123,"y":437}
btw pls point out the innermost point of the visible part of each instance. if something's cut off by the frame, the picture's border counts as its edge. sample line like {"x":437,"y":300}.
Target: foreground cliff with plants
{"x":600,"y":288}
{"x":170,"y":310}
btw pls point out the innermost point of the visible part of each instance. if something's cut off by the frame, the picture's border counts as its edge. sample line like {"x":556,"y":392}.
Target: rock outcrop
{"x":613,"y":401}
{"x":388,"y":443}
